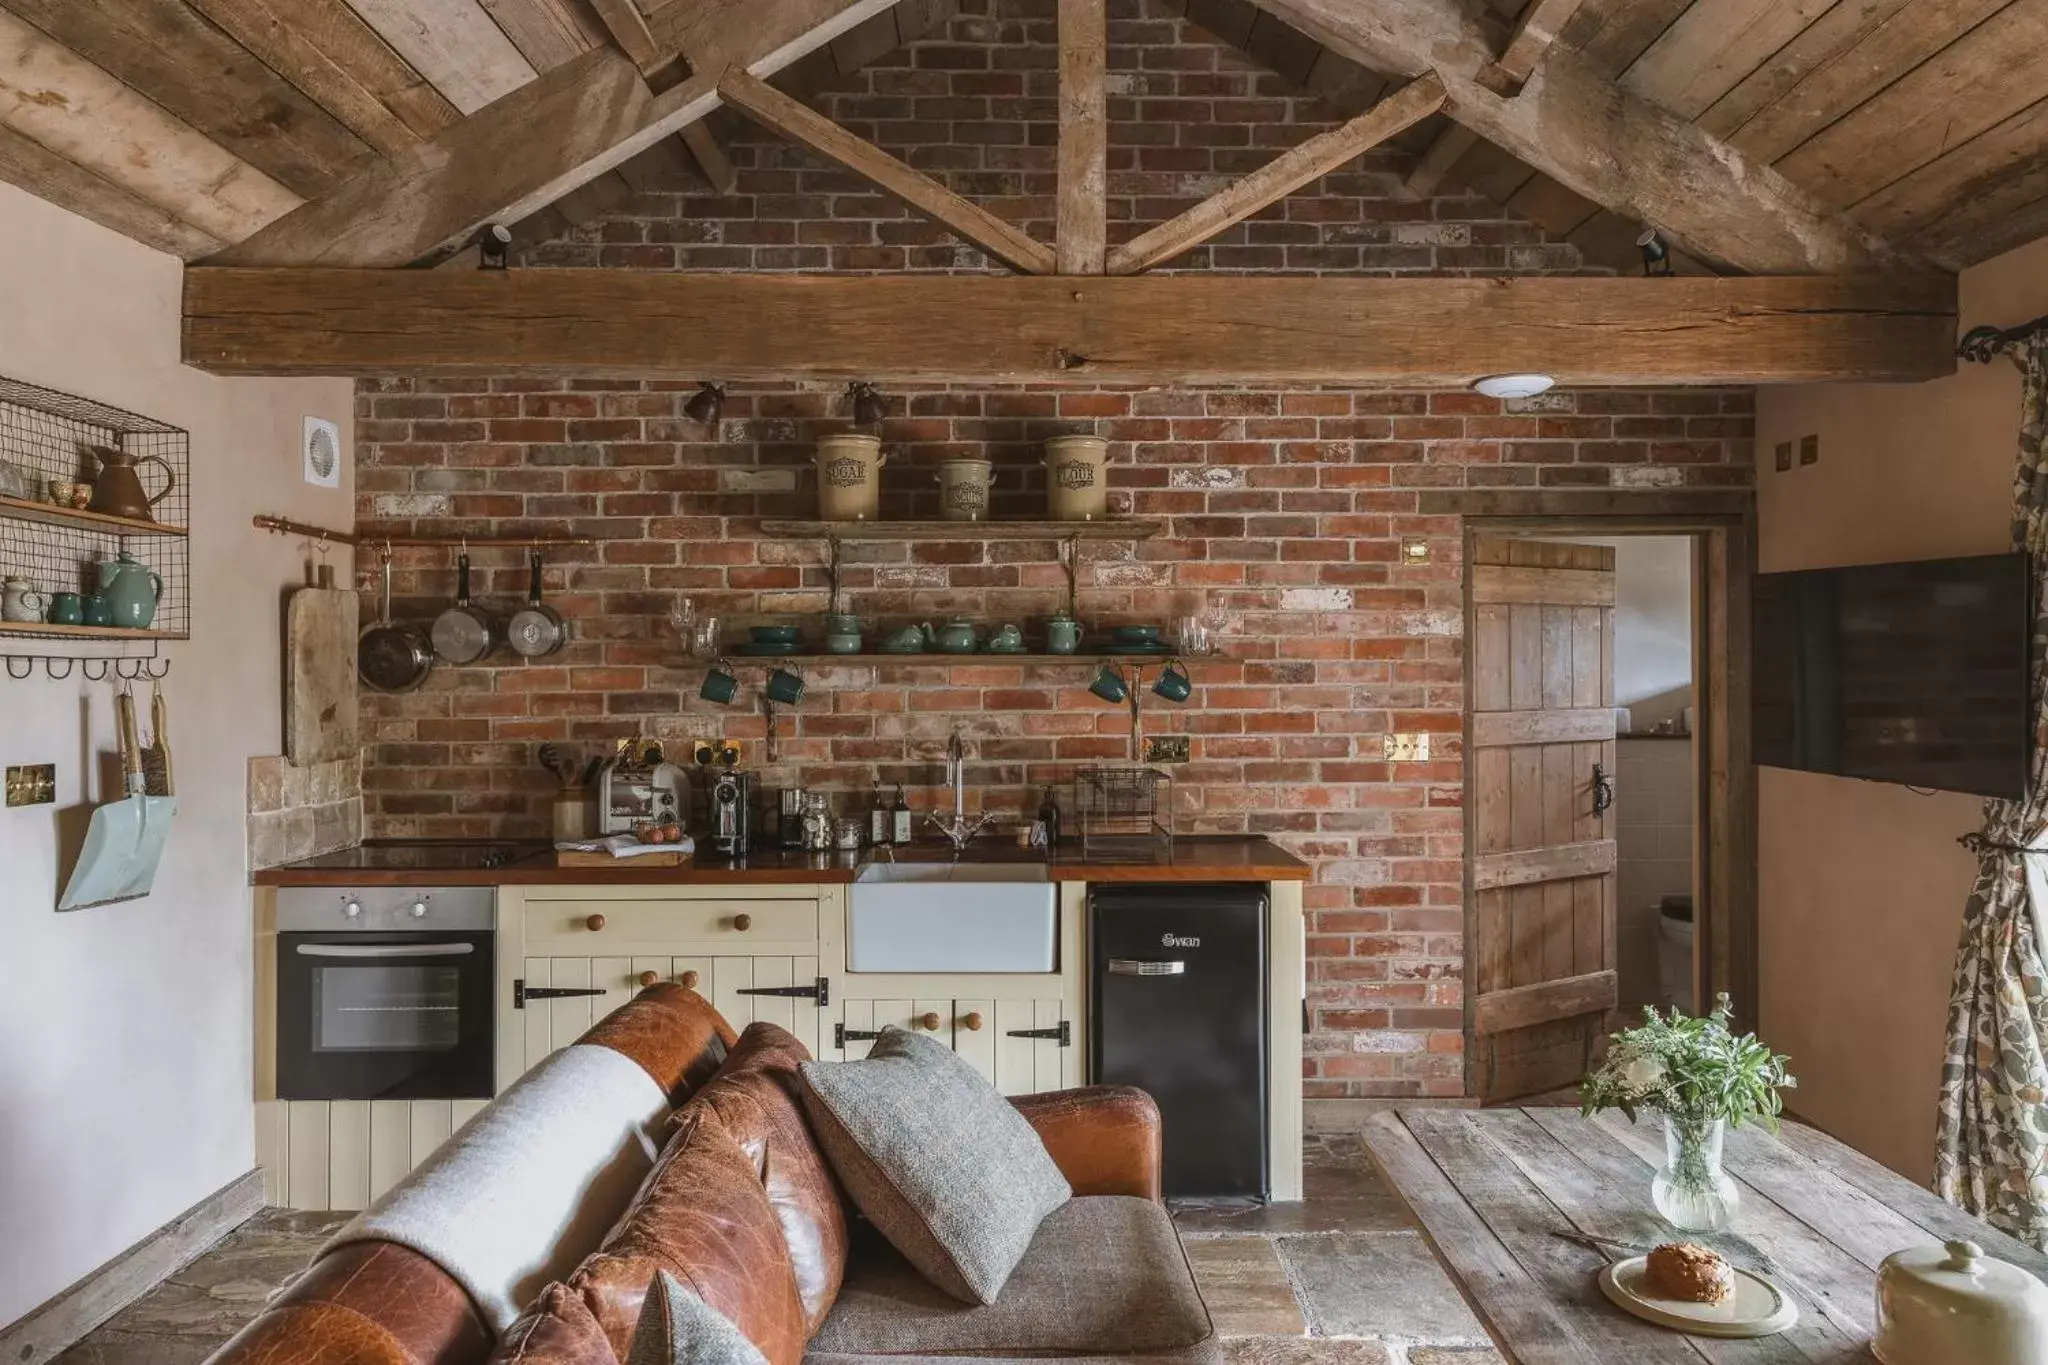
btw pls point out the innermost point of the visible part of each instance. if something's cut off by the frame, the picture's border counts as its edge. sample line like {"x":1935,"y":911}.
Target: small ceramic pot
{"x":850,"y":477}
{"x":63,"y":492}
{"x":785,"y":687}
{"x":1075,"y":486}
{"x":963,"y":489}
{"x":97,"y":611}
{"x":1008,"y":639}
{"x":909,"y":640}
{"x":1954,"y":1305}
{"x":1062,"y":634}
{"x":957,"y":636}
{"x":1174,"y":683}
{"x":66,"y":609}
{"x":21,"y":602}
{"x":842,"y":634}
{"x":721,"y":684}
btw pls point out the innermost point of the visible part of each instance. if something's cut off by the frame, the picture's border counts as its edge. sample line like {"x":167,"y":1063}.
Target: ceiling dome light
{"x":1514,"y":385}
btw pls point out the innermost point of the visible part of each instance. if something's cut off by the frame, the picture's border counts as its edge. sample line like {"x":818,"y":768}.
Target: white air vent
{"x":321,"y":447}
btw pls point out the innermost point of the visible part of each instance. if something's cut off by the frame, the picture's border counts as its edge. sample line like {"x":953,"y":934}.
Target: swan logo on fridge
{"x":1175,"y":941}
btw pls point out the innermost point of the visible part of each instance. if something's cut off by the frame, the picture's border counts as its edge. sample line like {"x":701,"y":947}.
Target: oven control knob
{"x":419,"y":909}
{"x":354,"y":910}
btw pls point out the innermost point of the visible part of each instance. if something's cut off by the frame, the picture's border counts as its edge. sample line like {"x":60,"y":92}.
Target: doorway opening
{"x":1609,"y":814}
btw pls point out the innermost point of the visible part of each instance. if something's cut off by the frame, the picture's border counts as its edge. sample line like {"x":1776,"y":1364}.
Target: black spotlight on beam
{"x":869,"y":407}
{"x":1656,"y":253}
{"x":706,"y":406}
{"x":493,"y":242}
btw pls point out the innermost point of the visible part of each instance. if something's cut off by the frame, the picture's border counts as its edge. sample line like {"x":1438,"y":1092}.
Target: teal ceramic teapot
{"x":957,"y":636}
{"x":131,"y":591}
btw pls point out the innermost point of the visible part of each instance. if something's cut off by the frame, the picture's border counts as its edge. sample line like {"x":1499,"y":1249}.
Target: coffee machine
{"x":732,"y":800}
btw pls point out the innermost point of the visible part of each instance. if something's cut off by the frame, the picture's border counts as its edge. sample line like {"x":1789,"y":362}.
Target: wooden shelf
{"x":114,"y":633}
{"x":937,"y":657}
{"x":19,"y":509}
{"x":1133,"y":529}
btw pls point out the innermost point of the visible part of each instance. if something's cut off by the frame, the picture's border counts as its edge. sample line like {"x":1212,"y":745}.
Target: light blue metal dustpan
{"x":126,"y":840}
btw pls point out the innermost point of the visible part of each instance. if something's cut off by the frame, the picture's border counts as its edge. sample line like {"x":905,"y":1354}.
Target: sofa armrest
{"x":367,"y":1303}
{"x":1104,"y":1138}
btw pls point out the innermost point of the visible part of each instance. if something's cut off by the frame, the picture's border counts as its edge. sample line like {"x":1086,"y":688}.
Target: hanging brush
{"x":156,"y":758}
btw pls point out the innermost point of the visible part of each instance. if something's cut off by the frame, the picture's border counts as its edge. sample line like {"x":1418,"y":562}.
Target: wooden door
{"x":1542,"y":859}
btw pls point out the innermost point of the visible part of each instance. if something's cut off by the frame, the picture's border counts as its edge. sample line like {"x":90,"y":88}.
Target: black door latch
{"x":820,"y":992}
{"x":1063,"y":1035}
{"x":521,"y":993}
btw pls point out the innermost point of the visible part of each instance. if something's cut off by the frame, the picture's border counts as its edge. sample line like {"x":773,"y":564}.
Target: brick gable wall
{"x":1287,"y":509}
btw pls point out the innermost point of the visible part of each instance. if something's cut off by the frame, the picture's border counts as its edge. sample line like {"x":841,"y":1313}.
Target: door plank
{"x":976,"y":1046}
{"x":1555,"y":586}
{"x":1499,"y":729}
{"x":1545,"y":1002}
{"x":1555,"y":863}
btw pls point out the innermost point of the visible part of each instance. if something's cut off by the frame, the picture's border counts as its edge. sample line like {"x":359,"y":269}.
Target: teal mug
{"x":97,"y":610}
{"x":66,"y":609}
{"x":720,"y":684}
{"x":785,"y":687}
{"x":1174,"y":683}
{"x":1109,"y":685}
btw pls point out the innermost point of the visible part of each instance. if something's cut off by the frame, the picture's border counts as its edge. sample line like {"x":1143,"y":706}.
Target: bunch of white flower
{"x":1690,"y":1069}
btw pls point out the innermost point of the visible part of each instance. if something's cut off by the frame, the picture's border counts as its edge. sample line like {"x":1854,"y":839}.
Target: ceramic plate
{"x":1758,"y":1308}
{"x":1137,"y":649}
{"x":761,"y":647}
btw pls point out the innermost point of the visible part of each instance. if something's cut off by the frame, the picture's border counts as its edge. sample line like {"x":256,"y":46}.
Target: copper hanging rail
{"x":284,"y":526}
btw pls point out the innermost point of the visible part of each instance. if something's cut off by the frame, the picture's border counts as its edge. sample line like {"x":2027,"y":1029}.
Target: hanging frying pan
{"x":536,"y":629}
{"x":391,"y":657}
{"x":463,"y":633}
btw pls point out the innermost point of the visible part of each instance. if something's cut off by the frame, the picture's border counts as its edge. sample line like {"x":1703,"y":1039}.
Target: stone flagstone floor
{"x":1342,"y":1278}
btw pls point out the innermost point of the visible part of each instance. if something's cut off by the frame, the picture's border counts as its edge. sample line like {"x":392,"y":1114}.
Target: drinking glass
{"x":682,"y":614}
{"x":1191,"y":635}
{"x":704,"y":639}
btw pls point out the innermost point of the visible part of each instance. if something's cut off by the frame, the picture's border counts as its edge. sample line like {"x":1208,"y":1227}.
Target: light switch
{"x":1166,"y":748}
{"x":1405,"y":748}
{"x":1809,"y":450}
{"x":32,"y":784}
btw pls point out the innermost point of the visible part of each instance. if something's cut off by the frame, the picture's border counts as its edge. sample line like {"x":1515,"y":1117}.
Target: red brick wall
{"x":1285,"y":508}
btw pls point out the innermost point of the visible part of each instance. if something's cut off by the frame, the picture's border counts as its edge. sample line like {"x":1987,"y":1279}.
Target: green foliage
{"x":1691,"y":1069}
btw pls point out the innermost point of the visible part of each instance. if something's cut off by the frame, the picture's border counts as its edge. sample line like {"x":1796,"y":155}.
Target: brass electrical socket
{"x":704,"y":751}
{"x":1405,"y":748}
{"x":32,"y":784}
{"x":1166,"y":748}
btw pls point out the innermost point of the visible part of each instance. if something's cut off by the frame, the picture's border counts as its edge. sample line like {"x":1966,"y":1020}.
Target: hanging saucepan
{"x":463,"y":633}
{"x":391,"y":657}
{"x":536,"y":629}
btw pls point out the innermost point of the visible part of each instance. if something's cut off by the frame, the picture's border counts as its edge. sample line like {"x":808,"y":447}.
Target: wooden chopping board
{"x":320,"y":676}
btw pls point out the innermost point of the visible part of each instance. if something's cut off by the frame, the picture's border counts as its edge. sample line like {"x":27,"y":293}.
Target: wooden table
{"x":1493,"y":1189}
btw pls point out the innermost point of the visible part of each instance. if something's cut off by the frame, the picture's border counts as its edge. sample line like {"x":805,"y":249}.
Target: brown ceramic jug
{"x":118,"y":491}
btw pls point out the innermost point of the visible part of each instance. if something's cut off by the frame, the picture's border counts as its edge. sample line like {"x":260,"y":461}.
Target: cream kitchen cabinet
{"x":1021,"y":1045}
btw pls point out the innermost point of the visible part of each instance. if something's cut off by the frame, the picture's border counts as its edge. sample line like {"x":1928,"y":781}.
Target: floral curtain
{"x":1993,"y":1140}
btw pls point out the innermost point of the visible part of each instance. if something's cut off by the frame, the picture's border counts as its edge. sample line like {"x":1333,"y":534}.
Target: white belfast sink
{"x":952,"y":917}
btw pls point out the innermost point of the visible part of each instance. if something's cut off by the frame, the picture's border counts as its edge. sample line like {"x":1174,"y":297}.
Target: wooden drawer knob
{"x":743,"y":922}
{"x":689,"y":981}
{"x":972,"y":1021}
{"x":929,"y":1020}
{"x":650,"y":978}
{"x":594,"y":923}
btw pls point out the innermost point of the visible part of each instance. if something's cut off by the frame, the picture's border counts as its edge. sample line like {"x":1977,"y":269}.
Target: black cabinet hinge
{"x":842,"y":1035}
{"x":820,"y":992}
{"x":521,"y":993}
{"x":1064,"y":1034}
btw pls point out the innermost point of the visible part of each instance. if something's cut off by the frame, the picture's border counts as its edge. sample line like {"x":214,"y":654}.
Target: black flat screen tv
{"x":1912,"y":673}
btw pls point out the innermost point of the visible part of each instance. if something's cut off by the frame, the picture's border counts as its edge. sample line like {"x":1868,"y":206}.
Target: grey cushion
{"x":678,"y":1328}
{"x":945,"y":1167}
{"x":1105,"y":1277}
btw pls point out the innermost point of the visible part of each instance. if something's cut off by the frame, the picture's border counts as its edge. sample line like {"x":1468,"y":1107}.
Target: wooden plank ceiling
{"x":194,"y":124}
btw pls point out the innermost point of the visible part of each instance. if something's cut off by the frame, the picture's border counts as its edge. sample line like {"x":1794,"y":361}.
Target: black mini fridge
{"x":1179,"y":985}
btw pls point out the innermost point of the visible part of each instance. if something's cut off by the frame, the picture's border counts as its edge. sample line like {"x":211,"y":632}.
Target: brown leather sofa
{"x":1105,"y":1279}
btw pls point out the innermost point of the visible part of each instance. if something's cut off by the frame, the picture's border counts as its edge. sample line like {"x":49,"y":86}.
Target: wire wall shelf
{"x":50,"y":548}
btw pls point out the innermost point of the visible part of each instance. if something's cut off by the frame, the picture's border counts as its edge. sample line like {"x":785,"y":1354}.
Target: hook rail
{"x":285,"y":526}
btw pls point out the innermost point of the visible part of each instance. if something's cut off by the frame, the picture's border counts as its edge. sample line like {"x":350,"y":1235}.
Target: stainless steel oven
{"x":385,"y":993}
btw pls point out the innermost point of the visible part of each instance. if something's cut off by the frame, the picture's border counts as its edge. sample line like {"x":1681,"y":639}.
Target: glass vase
{"x":1691,"y":1190}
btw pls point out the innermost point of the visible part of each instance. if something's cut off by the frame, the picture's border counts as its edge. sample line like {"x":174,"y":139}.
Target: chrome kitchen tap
{"x":961,"y":831}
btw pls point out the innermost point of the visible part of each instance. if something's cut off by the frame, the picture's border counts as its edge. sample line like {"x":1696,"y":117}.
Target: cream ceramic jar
{"x":1954,"y":1305}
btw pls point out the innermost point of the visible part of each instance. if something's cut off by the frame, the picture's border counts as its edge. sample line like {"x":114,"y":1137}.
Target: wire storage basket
{"x":1125,"y":810}
{"x":51,"y":545}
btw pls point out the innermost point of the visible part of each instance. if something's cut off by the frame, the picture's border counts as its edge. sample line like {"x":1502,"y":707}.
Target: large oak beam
{"x":1615,"y":148}
{"x":541,"y":141}
{"x":1281,"y":177}
{"x":1204,"y":329}
{"x":1083,"y":208}
{"x":793,"y":119}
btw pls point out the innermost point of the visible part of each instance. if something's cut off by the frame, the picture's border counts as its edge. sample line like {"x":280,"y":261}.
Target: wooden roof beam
{"x":1281,"y":177}
{"x":628,"y":28}
{"x":1152,"y":329}
{"x":1613,"y":147}
{"x":530,"y":147}
{"x":793,"y":119}
{"x":1083,"y":211}
{"x":1539,"y":27}
{"x":1436,"y":163}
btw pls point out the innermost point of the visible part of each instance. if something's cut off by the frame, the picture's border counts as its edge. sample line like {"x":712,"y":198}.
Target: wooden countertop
{"x":1202,"y":859}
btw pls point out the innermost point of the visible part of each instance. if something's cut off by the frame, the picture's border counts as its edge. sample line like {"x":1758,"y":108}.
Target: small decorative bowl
{"x":1136,"y":635}
{"x":775,"y":635}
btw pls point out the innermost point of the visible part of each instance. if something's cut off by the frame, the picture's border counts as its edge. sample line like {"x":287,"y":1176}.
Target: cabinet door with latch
{"x":857,"y":1023}
{"x":1033,"y":1047}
